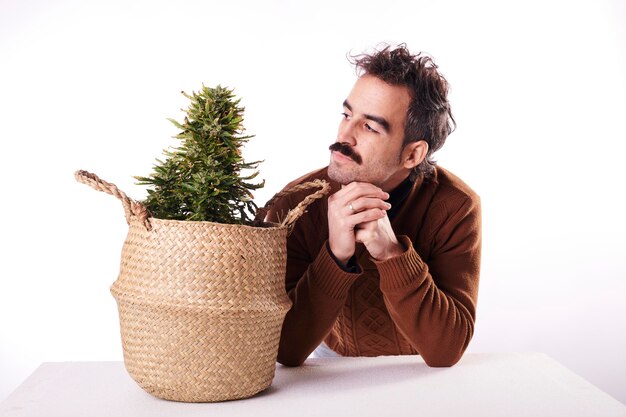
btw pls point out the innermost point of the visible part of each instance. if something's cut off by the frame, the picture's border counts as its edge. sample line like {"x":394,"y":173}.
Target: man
{"x":388,"y":264}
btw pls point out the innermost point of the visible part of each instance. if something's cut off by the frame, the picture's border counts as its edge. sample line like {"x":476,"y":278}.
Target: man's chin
{"x":337,"y":174}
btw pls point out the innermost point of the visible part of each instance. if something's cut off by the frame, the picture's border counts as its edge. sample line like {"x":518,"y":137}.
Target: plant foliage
{"x":202,"y":178}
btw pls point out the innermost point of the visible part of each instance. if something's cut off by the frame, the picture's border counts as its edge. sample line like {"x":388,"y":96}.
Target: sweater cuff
{"x":402,"y":270}
{"x":329,"y":277}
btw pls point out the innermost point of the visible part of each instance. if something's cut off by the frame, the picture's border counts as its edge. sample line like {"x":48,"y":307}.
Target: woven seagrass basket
{"x":201,"y":304}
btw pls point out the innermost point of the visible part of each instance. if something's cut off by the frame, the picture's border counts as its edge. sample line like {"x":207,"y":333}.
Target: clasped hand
{"x":358,"y":213}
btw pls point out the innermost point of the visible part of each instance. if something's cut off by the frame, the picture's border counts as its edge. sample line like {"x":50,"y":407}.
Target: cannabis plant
{"x":202,"y":179}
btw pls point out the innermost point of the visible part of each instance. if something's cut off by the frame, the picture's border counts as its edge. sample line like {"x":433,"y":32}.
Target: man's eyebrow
{"x":380,"y":120}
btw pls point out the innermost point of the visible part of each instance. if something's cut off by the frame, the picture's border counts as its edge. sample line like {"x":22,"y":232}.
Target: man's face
{"x":372,"y":131}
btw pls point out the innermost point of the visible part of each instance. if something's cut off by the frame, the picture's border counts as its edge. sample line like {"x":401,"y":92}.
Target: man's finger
{"x":356,"y":190}
{"x":365,"y":203}
{"x":366,"y":216}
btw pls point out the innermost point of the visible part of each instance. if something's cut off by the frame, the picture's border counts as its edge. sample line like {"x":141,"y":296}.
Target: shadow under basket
{"x":201,"y":304}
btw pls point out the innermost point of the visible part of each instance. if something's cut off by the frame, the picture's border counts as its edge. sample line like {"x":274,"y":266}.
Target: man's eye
{"x":345,"y":116}
{"x":369,"y":128}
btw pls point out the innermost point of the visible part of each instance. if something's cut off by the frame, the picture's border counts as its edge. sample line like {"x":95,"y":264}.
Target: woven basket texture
{"x":201,"y":304}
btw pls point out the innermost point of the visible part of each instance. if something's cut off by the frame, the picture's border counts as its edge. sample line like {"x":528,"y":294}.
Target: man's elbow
{"x":436,"y":357}
{"x":290,"y":359}
{"x":444,"y":358}
{"x":442,"y":361}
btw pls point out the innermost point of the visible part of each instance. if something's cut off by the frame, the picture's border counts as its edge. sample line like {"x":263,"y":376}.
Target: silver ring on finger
{"x":351,"y":208}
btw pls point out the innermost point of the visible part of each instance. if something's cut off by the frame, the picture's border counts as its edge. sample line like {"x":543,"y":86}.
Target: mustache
{"x":346,"y":150}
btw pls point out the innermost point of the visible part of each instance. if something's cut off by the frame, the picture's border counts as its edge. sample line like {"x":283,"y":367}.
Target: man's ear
{"x":414,"y":153}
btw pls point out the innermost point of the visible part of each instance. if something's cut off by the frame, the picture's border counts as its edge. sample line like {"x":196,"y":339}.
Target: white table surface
{"x":482,"y":385}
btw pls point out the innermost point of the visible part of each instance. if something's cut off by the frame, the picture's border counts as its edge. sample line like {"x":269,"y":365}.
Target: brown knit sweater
{"x":423,"y":301}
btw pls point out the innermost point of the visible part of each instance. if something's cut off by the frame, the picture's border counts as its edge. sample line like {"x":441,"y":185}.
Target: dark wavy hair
{"x":429,"y":116}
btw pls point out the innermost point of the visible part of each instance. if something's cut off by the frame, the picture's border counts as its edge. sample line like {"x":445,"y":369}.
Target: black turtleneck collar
{"x":398,"y":195}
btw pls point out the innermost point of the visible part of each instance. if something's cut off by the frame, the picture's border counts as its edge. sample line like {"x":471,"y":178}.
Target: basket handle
{"x":131,"y":207}
{"x":135,"y":208}
{"x":295,"y":213}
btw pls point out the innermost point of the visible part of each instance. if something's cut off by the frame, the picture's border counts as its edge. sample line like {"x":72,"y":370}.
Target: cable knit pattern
{"x":423,"y":301}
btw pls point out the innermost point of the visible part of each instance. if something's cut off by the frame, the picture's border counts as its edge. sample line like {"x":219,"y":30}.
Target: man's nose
{"x":346,"y":133}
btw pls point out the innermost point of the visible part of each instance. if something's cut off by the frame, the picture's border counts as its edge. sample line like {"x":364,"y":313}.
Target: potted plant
{"x":200,"y":293}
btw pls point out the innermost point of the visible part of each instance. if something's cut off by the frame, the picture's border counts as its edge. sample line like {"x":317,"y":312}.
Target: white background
{"x":538,"y":89}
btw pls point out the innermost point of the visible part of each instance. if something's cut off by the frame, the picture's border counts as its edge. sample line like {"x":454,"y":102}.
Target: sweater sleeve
{"x":314,"y":282}
{"x":317,"y":299}
{"x":434,"y":305}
